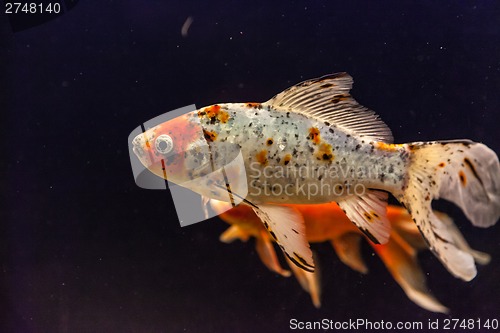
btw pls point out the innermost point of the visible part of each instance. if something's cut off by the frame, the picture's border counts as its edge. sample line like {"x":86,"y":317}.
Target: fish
{"x":313,"y":143}
{"x":327,"y":223}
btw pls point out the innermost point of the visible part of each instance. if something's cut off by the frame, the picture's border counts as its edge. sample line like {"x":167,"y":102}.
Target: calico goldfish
{"x":327,"y":222}
{"x":312,"y":144}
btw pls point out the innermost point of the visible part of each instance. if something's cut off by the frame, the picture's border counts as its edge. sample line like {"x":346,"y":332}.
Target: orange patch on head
{"x":262,"y":157}
{"x":463,"y":178}
{"x":325,"y":152}
{"x":210,"y":136}
{"x":287,"y":159}
{"x":181,"y":129}
{"x":314,"y":135}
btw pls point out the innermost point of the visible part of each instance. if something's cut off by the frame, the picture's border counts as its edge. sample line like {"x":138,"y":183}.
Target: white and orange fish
{"x":327,"y":222}
{"x":312,"y":144}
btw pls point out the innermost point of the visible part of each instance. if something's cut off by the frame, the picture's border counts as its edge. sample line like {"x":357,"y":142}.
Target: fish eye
{"x":164,"y":144}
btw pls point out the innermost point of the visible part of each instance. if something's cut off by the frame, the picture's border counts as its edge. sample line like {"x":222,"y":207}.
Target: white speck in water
{"x":185,"y":26}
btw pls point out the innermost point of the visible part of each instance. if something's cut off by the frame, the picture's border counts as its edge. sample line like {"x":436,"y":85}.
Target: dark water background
{"x":85,"y":250}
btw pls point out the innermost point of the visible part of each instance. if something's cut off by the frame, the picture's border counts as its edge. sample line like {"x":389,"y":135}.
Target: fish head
{"x":175,"y":150}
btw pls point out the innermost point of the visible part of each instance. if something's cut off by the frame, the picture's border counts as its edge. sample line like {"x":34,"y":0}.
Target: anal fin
{"x":368,"y":213}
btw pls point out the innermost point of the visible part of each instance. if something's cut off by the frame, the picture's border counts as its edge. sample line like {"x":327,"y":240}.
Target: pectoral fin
{"x":368,"y":213}
{"x":232,"y":233}
{"x":286,"y":227}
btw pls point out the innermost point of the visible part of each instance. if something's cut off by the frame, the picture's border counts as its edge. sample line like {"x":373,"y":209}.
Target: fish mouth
{"x":138,"y":151}
{"x":138,"y":145}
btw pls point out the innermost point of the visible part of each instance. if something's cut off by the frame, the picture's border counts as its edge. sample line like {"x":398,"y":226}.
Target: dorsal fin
{"x":327,"y":99}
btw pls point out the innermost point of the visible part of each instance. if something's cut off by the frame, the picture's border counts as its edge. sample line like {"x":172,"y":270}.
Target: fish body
{"x":313,"y":143}
{"x":287,"y":155}
{"x":295,"y":158}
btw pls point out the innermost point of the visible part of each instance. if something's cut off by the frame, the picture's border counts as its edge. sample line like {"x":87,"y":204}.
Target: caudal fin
{"x":463,"y":172}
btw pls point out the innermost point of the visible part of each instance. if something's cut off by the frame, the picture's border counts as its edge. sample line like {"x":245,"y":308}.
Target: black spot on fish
{"x":301,"y":259}
{"x":170,"y":159}
{"x":474,"y":172}
{"x":369,"y":235}
{"x":292,"y":259}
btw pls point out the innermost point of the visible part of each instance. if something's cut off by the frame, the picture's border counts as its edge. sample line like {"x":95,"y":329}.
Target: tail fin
{"x":463,"y":172}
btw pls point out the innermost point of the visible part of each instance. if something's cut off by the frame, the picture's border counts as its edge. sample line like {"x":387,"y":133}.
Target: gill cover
{"x":158,"y":159}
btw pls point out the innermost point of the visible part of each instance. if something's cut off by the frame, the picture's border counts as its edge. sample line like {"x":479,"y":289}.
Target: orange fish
{"x":327,"y":222}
